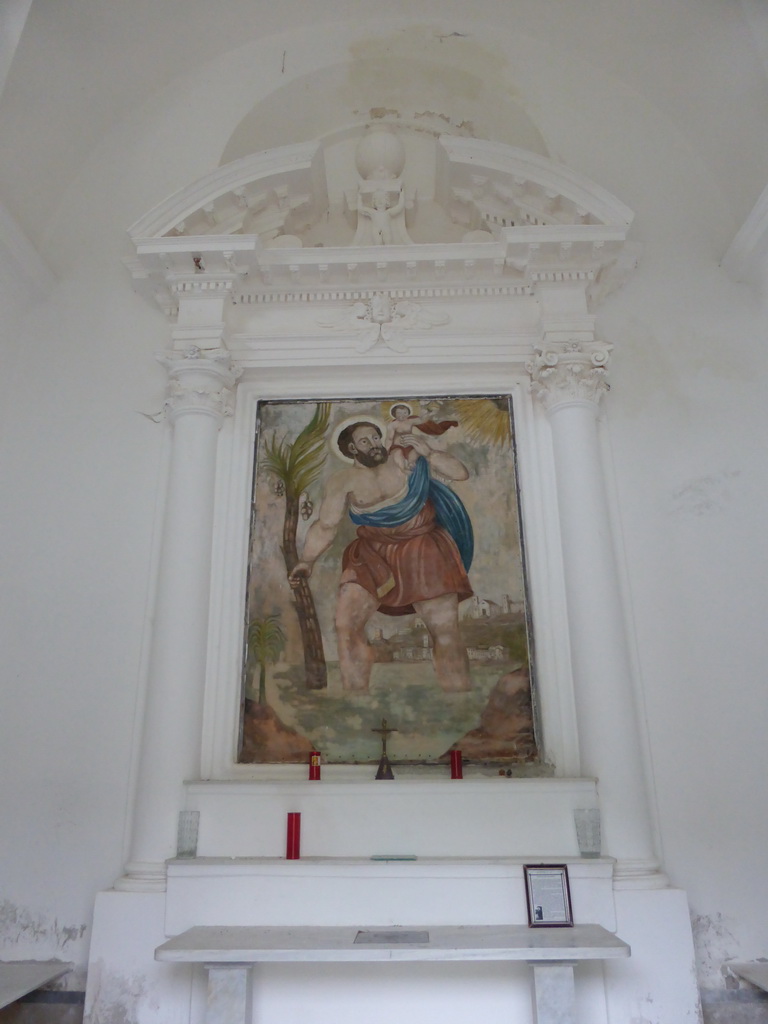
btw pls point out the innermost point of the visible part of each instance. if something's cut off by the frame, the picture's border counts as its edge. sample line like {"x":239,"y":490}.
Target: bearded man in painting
{"x":412,"y":551}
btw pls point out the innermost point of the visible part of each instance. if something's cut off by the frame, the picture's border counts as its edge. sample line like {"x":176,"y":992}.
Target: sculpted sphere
{"x":380,"y":155}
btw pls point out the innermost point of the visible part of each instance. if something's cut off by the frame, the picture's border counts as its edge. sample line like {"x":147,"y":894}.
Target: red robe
{"x":404,"y":564}
{"x":427,"y":427}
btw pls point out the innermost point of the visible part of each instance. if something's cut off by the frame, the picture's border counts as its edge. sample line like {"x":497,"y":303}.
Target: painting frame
{"x":269,"y":434}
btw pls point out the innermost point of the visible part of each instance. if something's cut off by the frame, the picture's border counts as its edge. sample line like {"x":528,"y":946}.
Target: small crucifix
{"x":385,"y":768}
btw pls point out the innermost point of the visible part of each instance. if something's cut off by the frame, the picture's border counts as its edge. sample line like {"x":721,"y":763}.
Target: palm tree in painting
{"x":266,"y":641}
{"x":297,"y":465}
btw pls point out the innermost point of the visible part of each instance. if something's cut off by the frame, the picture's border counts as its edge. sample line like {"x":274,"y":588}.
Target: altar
{"x":227,"y":954}
{"x":498,"y":305}
{"x":370,"y":860}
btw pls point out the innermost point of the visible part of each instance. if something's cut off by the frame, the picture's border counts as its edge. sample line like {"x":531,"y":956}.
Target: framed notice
{"x":548,"y":896}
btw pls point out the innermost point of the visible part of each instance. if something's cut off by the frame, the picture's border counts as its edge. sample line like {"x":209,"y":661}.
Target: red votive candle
{"x":456,"y":768}
{"x":293,"y":839}
{"x":314,"y":765}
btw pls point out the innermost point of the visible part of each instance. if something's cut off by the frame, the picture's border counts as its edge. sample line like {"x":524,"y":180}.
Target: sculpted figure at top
{"x":380,"y":160}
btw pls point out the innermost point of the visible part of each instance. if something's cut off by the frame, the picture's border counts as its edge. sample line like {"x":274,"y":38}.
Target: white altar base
{"x":228,"y":955}
{"x":657,"y":979}
{"x":325,"y":887}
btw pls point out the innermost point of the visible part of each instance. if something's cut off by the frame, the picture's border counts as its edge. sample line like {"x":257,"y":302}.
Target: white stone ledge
{"x":333,"y":944}
{"x":19,"y":977}
{"x":350,"y":867}
{"x":359,"y":778}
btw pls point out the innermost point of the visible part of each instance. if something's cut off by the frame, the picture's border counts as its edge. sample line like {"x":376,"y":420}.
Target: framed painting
{"x":387,"y":581}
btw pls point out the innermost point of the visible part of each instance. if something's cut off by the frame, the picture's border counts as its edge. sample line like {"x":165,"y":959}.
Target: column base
{"x":142,"y":876}
{"x":639,"y":873}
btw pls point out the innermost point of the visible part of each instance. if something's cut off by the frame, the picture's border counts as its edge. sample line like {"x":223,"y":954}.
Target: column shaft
{"x":569,"y":376}
{"x":170,"y":751}
{"x":609,"y":737}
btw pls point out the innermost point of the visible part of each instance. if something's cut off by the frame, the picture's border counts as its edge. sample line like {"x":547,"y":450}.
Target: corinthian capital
{"x":199,"y":382}
{"x":569,"y":371}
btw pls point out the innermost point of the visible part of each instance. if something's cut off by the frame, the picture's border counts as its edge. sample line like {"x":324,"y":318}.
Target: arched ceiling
{"x":82,"y":66}
{"x":402,"y":90}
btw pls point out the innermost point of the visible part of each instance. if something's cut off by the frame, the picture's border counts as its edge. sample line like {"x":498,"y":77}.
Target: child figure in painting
{"x":402,"y":422}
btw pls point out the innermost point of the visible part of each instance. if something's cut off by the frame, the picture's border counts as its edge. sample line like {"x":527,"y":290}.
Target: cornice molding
{"x":512,"y":265}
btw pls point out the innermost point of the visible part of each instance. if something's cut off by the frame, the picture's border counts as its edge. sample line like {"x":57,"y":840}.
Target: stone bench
{"x":228,"y":953}
{"x":755,"y":971}
{"x":19,"y":977}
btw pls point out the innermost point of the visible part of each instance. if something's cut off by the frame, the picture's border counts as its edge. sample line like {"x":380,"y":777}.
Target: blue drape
{"x":449,"y":510}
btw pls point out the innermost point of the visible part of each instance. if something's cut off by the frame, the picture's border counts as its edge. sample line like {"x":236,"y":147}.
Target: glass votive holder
{"x":186,"y":839}
{"x":587,"y":820}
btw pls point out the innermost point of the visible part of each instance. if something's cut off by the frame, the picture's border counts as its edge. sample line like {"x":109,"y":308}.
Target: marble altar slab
{"x":244,"y":945}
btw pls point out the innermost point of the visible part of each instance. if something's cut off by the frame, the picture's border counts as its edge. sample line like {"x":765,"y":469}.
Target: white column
{"x":199,"y":395}
{"x":569,"y":376}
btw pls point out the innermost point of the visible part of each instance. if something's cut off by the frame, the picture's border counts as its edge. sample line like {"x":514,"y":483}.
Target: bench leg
{"x":554,"y":996}
{"x":229,"y":994}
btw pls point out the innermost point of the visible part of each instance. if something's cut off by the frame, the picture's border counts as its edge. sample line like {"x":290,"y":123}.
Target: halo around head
{"x":400,"y":405}
{"x":359,"y":418}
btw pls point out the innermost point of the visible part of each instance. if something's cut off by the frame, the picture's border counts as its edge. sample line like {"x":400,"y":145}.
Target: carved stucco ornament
{"x":569,"y":371}
{"x":381,"y":319}
{"x":381,"y":201}
{"x":199,"y":381}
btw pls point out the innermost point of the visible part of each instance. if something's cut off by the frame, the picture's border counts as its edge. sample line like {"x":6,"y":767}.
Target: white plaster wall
{"x":82,"y":468}
{"x":687,"y":426}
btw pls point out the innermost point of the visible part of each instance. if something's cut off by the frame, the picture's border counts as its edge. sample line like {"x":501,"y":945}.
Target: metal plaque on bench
{"x":389,"y":938}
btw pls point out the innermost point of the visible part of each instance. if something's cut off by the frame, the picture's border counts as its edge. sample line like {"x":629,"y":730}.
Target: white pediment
{"x":380,"y":208}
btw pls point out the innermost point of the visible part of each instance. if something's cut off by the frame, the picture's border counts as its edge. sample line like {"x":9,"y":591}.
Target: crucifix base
{"x":385,"y":769}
